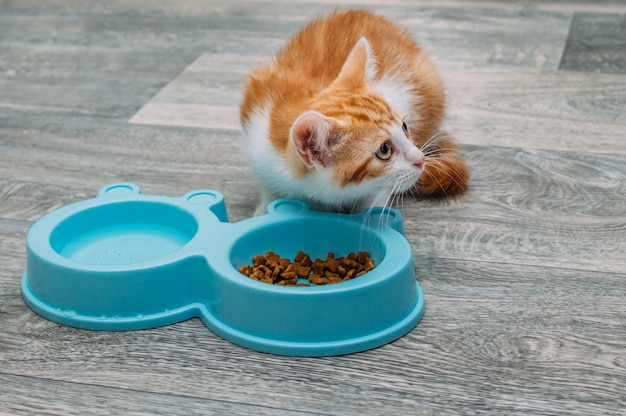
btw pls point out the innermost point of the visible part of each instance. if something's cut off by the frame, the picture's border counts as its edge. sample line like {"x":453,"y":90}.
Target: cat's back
{"x":313,"y":58}
{"x":321,"y":48}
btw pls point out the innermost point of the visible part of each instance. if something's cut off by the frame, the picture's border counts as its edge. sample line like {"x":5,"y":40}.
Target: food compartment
{"x":348,"y":316}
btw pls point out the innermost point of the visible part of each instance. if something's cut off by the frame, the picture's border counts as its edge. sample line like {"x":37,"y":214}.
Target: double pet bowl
{"x":128,"y":261}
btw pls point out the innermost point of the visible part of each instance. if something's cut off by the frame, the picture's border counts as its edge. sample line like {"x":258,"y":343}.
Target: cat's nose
{"x":419,"y":161}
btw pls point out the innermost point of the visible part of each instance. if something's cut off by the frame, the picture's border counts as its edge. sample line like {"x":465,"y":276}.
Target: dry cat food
{"x":273,"y":269}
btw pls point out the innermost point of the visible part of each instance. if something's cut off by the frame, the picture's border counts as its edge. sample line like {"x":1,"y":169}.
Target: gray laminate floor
{"x":524,"y":276}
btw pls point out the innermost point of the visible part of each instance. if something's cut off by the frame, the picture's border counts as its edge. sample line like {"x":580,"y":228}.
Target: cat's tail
{"x":445,"y":172}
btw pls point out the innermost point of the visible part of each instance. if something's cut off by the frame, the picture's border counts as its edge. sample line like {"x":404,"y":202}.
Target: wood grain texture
{"x":532,"y":207}
{"x":596,"y":43}
{"x":524,"y":275}
{"x":203,"y":95}
{"x":555,"y":110}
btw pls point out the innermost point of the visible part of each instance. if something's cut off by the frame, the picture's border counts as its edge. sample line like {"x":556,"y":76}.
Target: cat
{"x":347,"y":116}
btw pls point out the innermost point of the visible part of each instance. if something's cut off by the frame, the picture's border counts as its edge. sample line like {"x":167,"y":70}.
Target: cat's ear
{"x":313,"y":136}
{"x":359,"y":67}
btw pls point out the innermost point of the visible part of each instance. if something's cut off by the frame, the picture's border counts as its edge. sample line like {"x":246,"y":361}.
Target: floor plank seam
{"x":569,"y":33}
{"x":163,"y":394}
{"x":546,"y":266}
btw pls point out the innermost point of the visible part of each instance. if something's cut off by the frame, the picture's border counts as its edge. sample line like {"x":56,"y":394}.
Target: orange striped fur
{"x":338,"y":91}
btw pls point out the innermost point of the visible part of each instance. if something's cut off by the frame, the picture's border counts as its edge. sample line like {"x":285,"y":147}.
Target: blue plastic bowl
{"x":126,"y":261}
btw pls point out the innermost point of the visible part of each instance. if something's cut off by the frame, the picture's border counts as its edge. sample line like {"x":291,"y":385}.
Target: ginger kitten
{"x":347,"y":116}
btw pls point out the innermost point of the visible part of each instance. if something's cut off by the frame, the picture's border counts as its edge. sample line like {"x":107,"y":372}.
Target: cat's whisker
{"x":382,"y":199}
{"x":391,"y":193}
{"x":443,"y":165}
{"x":448,"y":169}
{"x":432,"y":141}
{"x":383,"y":219}
{"x":434,"y":179}
{"x":439,"y":152}
{"x":452,"y":179}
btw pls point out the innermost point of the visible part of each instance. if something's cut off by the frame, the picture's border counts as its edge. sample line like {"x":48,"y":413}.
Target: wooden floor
{"x":524,"y":276}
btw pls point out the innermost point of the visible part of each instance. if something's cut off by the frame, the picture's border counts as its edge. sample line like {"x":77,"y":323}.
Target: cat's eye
{"x":405,"y":128}
{"x":384,"y":151}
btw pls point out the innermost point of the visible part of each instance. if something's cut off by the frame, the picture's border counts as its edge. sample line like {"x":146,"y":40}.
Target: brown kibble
{"x":362,"y":257}
{"x":350,"y":263}
{"x":303,"y":272}
{"x":270,"y":255}
{"x":334,"y":278}
{"x":277,"y":272}
{"x":257,"y":274}
{"x":331,"y":264}
{"x":258,"y":260}
{"x":246,"y":269}
{"x":330,"y":275}
{"x":318,"y":267}
{"x":316,"y":279}
{"x":265,"y":270}
{"x":273,"y":269}
{"x":306,"y":261}
{"x":341,"y":271}
{"x":288,"y":275}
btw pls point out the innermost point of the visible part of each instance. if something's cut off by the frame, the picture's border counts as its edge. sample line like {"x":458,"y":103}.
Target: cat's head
{"x":354,"y":136}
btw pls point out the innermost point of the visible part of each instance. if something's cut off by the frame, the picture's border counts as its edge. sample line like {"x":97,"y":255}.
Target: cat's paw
{"x":261,"y":209}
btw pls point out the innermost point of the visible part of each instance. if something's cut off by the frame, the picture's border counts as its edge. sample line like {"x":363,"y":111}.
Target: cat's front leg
{"x":266,"y":198}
